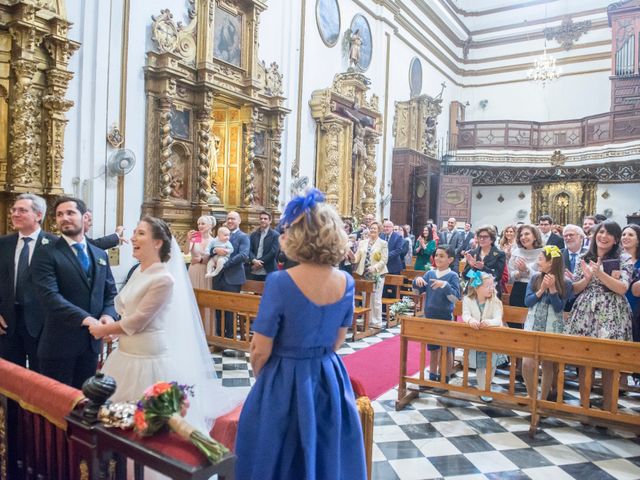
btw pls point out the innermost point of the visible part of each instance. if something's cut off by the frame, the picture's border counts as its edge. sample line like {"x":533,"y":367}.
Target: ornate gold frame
{"x":579,"y":198}
{"x":183,"y":73}
{"x":34,"y":60}
{"x":345,"y":148}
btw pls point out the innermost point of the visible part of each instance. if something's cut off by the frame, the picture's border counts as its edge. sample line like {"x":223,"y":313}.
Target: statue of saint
{"x":355,"y":43}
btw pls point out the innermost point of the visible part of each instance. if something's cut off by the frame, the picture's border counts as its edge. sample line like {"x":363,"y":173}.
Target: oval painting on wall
{"x":328,"y":21}
{"x":360,"y":25}
{"x":415,"y":77}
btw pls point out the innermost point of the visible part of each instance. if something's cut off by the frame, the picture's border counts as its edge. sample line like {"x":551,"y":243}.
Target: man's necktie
{"x":23,"y":268}
{"x":573,"y":261}
{"x":82,"y":257}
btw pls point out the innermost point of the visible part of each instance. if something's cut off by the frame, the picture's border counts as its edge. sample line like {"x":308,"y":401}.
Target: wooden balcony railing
{"x":611,"y":127}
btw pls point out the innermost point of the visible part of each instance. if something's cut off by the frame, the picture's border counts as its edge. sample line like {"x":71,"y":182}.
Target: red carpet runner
{"x":377,"y":368}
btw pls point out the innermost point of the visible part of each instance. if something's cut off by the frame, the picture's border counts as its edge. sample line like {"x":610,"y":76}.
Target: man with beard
{"x":74,"y":281}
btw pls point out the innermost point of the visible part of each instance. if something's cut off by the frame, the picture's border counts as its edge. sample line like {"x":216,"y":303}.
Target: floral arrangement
{"x":403,"y":307}
{"x":163,"y":405}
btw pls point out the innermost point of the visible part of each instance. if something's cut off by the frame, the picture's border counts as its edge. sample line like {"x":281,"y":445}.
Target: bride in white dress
{"x":160,"y":330}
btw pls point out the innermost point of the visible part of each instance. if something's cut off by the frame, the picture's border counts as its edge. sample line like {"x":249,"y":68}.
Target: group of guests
{"x":583,"y":282}
{"x":302,"y":403}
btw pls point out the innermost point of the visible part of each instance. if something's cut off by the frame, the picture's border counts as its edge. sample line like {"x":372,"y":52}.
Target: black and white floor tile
{"x":437,"y":437}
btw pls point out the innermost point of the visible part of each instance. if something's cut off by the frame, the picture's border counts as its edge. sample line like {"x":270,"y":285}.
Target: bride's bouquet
{"x":163,"y":405}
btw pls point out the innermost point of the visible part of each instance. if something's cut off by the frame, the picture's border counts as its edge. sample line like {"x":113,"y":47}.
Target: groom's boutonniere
{"x":101,"y":261}
{"x":45,"y":241}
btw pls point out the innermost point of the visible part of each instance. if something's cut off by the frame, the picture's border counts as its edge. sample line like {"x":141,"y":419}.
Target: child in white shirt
{"x":216,"y":262}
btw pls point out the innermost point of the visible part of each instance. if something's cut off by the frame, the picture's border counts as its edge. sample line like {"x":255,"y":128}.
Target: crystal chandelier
{"x":544,"y":69}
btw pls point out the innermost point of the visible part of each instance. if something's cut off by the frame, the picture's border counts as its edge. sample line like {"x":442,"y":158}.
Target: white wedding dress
{"x":142,"y":357}
{"x":164,"y":340}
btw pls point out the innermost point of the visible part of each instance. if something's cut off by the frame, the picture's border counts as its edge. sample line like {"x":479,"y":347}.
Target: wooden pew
{"x":243,"y":307}
{"x":509,"y":314}
{"x":587,"y":353}
{"x":255,"y":287}
{"x":397,"y":283}
{"x":362,"y":311}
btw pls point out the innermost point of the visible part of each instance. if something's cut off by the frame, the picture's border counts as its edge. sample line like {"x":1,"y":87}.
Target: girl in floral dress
{"x":602,"y":310}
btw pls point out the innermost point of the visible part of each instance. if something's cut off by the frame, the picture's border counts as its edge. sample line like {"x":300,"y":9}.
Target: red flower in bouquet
{"x":163,"y":405}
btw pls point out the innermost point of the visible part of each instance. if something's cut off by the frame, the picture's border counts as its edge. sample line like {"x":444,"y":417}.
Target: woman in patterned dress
{"x":602,"y":310}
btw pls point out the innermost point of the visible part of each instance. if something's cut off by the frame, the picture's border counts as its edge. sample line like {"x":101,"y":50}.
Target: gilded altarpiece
{"x":566,"y":202}
{"x":215,"y":117}
{"x":34,"y":76}
{"x":348,"y":129}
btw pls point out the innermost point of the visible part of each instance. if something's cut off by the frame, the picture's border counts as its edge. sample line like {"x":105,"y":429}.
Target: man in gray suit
{"x":453,"y":238}
{"x":571,"y":255}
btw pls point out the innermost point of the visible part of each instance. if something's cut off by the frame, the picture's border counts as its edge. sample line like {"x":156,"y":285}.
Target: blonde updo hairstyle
{"x":211,"y":220}
{"x":316,"y":237}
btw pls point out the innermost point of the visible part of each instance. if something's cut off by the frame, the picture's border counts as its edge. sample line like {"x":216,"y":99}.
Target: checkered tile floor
{"x":438,"y":437}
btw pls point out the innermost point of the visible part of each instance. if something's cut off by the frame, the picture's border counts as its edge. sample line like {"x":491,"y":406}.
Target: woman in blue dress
{"x":300,"y":419}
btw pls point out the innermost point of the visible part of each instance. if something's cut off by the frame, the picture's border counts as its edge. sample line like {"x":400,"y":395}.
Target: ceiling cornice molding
{"x":542,"y":21}
{"x":523,"y":37}
{"x":535,"y":53}
{"x":490,"y":11}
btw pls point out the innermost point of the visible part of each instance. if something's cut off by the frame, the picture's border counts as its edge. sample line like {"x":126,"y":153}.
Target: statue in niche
{"x":177,"y":188}
{"x":355,"y":43}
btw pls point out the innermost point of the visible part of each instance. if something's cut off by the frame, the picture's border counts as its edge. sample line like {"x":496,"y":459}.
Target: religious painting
{"x":415,"y":77}
{"x":360,"y":28}
{"x":328,"y":21}
{"x":180,"y":123}
{"x":227,"y":37}
{"x":259,"y":140}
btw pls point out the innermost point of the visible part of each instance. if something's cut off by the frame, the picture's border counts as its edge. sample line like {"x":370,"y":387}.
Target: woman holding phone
{"x":197,"y":247}
{"x":602,"y":310}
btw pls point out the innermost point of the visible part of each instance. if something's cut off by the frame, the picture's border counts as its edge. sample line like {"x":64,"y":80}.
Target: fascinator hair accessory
{"x":552,"y":251}
{"x":475,"y":278}
{"x":299,"y":206}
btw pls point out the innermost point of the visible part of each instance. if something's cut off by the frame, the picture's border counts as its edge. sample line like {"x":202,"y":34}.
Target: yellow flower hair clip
{"x":552,"y":251}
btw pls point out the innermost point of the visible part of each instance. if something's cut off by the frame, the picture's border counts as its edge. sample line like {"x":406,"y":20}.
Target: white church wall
{"x":623,"y":200}
{"x":322,"y":63}
{"x":567,"y":98}
{"x":95,"y":90}
{"x":489,"y":211}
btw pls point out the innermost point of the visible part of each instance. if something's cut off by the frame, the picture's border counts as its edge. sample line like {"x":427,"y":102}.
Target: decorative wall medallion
{"x":421,"y":189}
{"x":164,"y":31}
{"x":605,"y":194}
{"x":500,"y":198}
{"x":521,"y":195}
{"x":360,"y":43}
{"x":568,"y":32}
{"x":454,"y":197}
{"x":114,"y":137}
{"x":328,"y":21}
{"x":479,"y":195}
{"x":227,"y":37}
{"x":415,"y":77}
{"x":558,"y":158}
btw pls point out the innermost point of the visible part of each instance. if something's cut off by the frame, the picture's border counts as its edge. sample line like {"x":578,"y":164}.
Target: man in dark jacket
{"x":264,"y":247}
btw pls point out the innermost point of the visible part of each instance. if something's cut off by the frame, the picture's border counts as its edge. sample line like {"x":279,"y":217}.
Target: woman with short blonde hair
{"x":302,"y":405}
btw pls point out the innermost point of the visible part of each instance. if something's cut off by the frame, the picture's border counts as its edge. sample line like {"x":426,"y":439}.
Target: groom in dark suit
{"x":232,"y":276}
{"x":20,"y":312}
{"x":74,"y":281}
